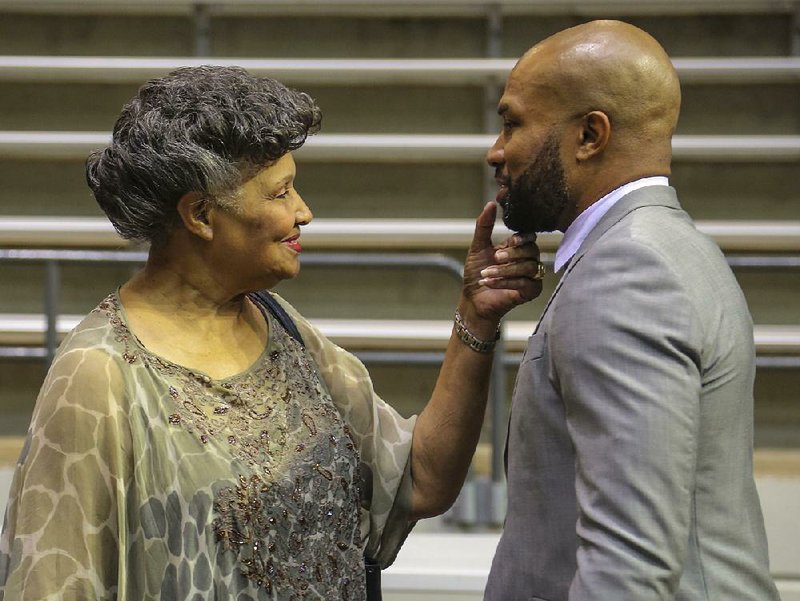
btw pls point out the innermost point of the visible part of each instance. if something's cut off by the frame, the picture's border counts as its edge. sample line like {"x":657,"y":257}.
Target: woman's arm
{"x":496,"y":279}
{"x":61,"y":533}
{"x":443,"y":448}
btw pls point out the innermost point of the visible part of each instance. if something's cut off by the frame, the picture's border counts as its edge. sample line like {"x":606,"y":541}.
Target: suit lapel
{"x":643,"y":197}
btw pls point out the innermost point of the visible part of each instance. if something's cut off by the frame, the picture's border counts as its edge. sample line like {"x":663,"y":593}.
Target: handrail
{"x":52,"y":258}
{"x":395,"y":234}
{"x":460,"y":8}
{"x":409,"y":148}
{"x":478,"y":71}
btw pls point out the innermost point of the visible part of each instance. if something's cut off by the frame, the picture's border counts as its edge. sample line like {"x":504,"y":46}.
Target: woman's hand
{"x":498,"y":278}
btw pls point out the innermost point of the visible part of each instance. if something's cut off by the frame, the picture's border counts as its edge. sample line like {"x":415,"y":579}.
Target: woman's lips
{"x":293,"y":243}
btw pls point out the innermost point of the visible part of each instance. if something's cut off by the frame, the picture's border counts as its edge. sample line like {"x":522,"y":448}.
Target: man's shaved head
{"x":612,"y":67}
{"x":585,"y":111}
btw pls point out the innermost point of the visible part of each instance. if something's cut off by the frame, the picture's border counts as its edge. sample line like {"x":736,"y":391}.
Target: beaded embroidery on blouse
{"x":291,"y":515}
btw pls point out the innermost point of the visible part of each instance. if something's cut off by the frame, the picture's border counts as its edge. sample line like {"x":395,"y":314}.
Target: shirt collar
{"x":584,"y":223}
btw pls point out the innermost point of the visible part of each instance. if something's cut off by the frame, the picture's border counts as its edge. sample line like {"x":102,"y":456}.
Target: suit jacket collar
{"x":644,"y":197}
{"x":664,"y":196}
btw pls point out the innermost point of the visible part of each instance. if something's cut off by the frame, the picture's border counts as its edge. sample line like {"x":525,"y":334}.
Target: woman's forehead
{"x":280,"y":172}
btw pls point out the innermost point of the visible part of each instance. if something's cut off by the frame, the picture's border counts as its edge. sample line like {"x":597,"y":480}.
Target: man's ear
{"x":193,"y":209}
{"x":595,"y":134}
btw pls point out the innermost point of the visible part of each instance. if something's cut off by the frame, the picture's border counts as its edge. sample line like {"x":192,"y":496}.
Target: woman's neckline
{"x":268,"y":347}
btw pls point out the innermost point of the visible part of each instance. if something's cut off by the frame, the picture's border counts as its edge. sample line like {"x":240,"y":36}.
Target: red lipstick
{"x":293,"y":243}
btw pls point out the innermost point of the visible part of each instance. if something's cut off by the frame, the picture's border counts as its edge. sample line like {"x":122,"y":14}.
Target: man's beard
{"x":538,"y":199}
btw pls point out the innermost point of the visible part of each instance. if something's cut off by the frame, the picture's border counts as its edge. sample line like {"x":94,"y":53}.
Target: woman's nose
{"x":303,"y":213}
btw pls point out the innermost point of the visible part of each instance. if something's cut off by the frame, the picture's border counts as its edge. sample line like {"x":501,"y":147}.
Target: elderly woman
{"x":194,"y":440}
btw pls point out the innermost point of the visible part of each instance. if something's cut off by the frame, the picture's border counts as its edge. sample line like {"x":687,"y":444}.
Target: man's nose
{"x":496,"y":156}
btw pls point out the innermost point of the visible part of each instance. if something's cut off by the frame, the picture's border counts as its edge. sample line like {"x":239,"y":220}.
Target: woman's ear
{"x":595,"y":134}
{"x":193,"y":209}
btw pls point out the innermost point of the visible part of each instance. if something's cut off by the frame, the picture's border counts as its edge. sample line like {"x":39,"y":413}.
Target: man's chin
{"x":515,"y":217}
{"x":528,"y":218}
{"x":520,"y":225}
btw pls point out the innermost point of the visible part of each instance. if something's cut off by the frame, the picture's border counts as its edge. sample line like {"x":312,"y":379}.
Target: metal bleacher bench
{"x":20,"y":232}
{"x":395,"y":234}
{"x":102,"y":69}
{"x":28,"y":329}
{"x":384,"y":147}
{"x":407,"y":148}
{"x":460,"y":8}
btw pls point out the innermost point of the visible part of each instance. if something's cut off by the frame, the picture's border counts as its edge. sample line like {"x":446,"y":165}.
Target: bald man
{"x":629,"y":456}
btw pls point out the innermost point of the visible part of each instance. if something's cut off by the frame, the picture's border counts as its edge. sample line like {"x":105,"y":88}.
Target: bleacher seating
{"x":405,"y":234}
{"x":407,"y":148}
{"x":343,"y":72}
{"x":408,"y":92}
{"x":26,"y":329}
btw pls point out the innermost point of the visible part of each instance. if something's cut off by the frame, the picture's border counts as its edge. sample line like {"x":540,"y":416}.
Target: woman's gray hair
{"x":199,"y":129}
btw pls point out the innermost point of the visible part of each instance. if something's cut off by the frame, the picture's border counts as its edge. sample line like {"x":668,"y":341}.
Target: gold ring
{"x":540,"y":271}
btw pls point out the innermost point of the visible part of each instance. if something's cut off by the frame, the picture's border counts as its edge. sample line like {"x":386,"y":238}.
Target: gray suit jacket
{"x":629,"y":452}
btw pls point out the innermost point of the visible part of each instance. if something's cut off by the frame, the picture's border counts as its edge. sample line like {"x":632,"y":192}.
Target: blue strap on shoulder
{"x":266,"y":300}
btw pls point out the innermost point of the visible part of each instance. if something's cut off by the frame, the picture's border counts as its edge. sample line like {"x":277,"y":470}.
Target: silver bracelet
{"x":472,"y":341}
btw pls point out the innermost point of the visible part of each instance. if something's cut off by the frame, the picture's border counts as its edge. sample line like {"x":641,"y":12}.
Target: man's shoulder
{"x":650,"y":245}
{"x":668,"y":232}
{"x":660,"y":247}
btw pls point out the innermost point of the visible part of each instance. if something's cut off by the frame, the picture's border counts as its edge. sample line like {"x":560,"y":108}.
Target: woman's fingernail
{"x":489,"y":272}
{"x":501,"y":255}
